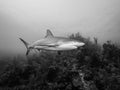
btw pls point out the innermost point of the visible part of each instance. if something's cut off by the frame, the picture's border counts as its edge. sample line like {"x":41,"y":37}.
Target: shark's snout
{"x":78,"y":44}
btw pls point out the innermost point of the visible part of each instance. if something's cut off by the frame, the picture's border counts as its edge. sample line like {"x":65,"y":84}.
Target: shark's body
{"x":53,"y":43}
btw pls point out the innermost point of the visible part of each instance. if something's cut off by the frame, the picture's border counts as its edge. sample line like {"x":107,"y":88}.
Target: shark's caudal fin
{"x":49,"y":34}
{"x":26,"y":45}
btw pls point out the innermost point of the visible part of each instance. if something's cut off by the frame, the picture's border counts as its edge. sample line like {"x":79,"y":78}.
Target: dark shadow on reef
{"x":92,"y":67}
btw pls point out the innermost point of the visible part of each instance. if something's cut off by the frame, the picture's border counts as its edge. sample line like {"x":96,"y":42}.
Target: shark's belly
{"x":57,"y":48}
{"x":61,"y":48}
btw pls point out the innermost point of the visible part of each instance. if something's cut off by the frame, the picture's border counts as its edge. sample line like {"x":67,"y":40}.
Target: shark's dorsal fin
{"x":49,"y":34}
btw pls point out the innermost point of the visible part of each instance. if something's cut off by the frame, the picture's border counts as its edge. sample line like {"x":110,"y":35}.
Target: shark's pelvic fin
{"x":49,"y":34}
{"x":26,"y":45}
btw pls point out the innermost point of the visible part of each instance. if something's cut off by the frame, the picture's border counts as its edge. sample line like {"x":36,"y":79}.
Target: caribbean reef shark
{"x":51,"y":42}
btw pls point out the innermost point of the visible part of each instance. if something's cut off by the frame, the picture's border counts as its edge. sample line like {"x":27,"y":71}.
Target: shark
{"x":54,"y":43}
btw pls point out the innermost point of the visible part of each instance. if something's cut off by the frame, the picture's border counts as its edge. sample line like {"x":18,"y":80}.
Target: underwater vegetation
{"x":92,"y":67}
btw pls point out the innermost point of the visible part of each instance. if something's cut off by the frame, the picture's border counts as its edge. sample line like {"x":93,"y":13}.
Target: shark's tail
{"x":26,"y":45}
